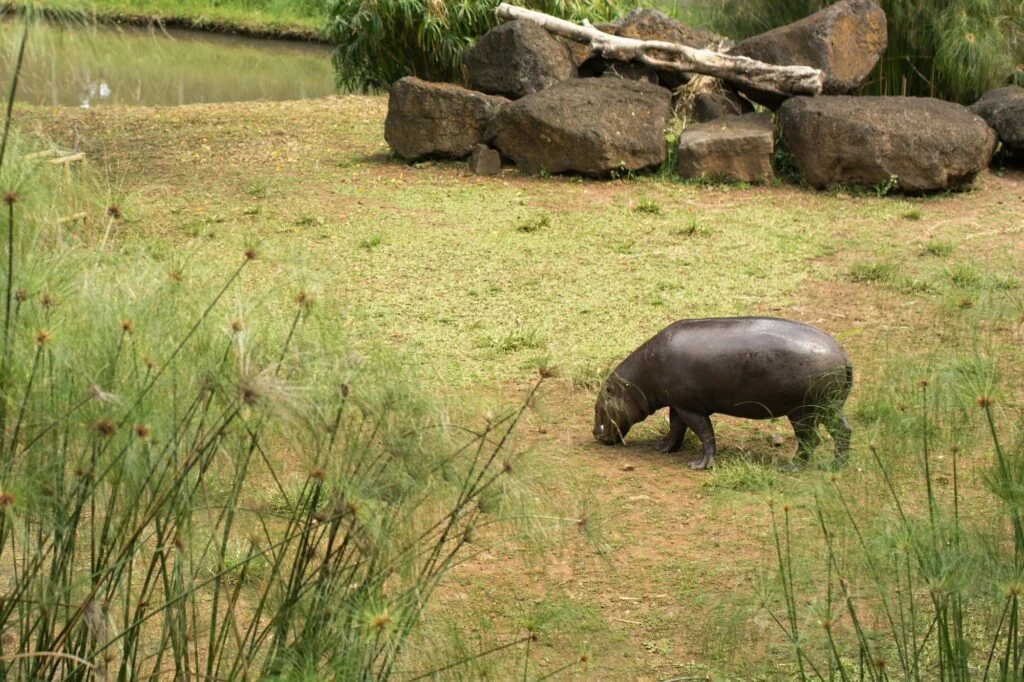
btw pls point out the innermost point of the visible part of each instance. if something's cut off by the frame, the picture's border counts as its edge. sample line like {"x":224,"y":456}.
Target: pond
{"x":88,"y":66}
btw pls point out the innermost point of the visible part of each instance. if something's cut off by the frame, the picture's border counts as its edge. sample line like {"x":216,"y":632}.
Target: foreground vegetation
{"x":199,"y":481}
{"x":643,"y":568}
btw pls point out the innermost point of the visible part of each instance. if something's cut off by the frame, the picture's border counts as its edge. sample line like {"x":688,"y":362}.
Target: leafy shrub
{"x":380,"y":41}
{"x":951,"y":49}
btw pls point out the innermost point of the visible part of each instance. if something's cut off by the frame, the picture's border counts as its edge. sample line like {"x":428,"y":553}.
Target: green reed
{"x":911,"y":589}
{"x":187,"y":497}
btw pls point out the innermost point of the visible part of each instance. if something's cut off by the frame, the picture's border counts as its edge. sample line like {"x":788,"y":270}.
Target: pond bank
{"x":304,"y":30}
{"x":88,"y":64}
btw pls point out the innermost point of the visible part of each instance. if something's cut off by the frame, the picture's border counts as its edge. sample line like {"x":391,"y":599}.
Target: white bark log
{"x":783,"y":80}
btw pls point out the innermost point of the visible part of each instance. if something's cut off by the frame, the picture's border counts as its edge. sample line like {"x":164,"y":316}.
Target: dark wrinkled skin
{"x":751,"y":367}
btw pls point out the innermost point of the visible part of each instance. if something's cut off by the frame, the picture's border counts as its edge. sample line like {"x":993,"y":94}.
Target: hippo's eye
{"x":600,"y":428}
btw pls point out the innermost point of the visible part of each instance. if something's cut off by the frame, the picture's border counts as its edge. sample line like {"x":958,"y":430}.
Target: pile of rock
{"x":552,"y":105}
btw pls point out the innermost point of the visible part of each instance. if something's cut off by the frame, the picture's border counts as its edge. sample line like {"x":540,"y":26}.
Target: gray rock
{"x":631,"y":72}
{"x":485,"y":161}
{"x":1003,"y":110}
{"x":587,"y":62}
{"x":587,"y":125}
{"x":711,"y":105}
{"x":925,"y":144}
{"x":650,"y":24}
{"x":845,"y":40}
{"x":733,"y":148}
{"x":436,"y":119}
{"x":517,"y":59}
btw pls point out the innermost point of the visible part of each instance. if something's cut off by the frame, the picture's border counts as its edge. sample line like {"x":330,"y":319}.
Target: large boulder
{"x":650,"y":24}
{"x":734,"y":148}
{"x":588,"y":125}
{"x":844,"y":40}
{"x":517,"y":59}
{"x":919,"y":143}
{"x":1003,"y":110}
{"x":436,"y":119}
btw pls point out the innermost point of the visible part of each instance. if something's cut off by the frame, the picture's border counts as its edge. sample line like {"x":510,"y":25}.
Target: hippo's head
{"x":614,"y":412}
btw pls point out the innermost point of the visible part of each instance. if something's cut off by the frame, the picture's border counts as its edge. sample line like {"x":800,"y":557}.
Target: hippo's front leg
{"x":673,"y":441}
{"x":701,"y":425}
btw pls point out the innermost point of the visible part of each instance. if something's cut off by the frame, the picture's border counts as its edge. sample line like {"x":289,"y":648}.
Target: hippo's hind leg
{"x":805,"y":426}
{"x":701,"y":425}
{"x":841,"y":432}
{"x":673,"y":441}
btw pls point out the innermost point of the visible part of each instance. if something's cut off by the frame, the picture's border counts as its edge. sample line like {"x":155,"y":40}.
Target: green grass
{"x":286,"y":18}
{"x":437,"y":264}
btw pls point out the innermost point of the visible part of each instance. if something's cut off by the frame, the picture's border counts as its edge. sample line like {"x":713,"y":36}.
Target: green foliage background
{"x":951,"y":49}
{"x":380,"y":41}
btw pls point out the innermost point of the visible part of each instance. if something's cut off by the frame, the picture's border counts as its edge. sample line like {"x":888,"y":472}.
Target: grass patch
{"x":371,"y":242}
{"x":693,"y":228}
{"x":938,"y":248}
{"x":534,"y":224}
{"x":875,"y":271}
{"x":648,"y":207}
{"x":742,"y":476}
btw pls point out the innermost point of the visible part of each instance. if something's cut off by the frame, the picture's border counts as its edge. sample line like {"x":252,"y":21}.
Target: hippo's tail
{"x":849,"y":378}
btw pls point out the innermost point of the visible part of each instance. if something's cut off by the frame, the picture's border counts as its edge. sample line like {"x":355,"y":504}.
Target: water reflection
{"x":90,"y":66}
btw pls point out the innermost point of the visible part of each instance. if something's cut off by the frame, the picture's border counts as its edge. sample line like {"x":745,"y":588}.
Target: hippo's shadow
{"x":737,"y":439}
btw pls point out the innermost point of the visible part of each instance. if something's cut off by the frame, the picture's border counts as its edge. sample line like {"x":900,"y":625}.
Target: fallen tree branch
{"x":782,"y":80}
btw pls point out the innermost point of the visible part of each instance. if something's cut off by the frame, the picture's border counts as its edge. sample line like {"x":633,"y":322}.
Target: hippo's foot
{"x":668,"y":444}
{"x":793,"y":466}
{"x":839,"y":462}
{"x":702,"y":464}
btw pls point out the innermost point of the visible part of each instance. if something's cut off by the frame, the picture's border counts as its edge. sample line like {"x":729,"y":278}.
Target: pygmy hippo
{"x":751,"y":367}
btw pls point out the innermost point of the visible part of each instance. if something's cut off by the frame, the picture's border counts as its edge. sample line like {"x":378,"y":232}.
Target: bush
{"x":380,"y":41}
{"x":951,"y":49}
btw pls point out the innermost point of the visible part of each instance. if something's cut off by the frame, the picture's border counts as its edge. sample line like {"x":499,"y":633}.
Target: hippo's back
{"x":753,"y":367}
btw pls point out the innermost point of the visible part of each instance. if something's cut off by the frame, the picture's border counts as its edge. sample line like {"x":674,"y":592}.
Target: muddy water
{"x":89,"y":66}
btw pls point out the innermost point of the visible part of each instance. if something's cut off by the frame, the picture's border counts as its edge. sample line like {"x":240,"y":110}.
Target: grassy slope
{"x":487,"y":279}
{"x":278,"y":18}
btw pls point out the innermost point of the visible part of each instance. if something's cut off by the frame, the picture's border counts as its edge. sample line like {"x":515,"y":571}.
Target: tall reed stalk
{"x":936,"y":598}
{"x":181,"y":502}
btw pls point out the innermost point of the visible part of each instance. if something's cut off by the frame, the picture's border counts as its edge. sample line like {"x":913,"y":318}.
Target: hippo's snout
{"x":606,"y":435}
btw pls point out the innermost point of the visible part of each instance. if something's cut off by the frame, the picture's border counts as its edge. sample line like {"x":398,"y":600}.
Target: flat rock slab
{"x":919,"y":143}
{"x":517,"y":59}
{"x":1003,"y":110}
{"x":732,"y":148}
{"x":436,"y":119}
{"x":588,"y":125}
{"x":844,"y":40}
